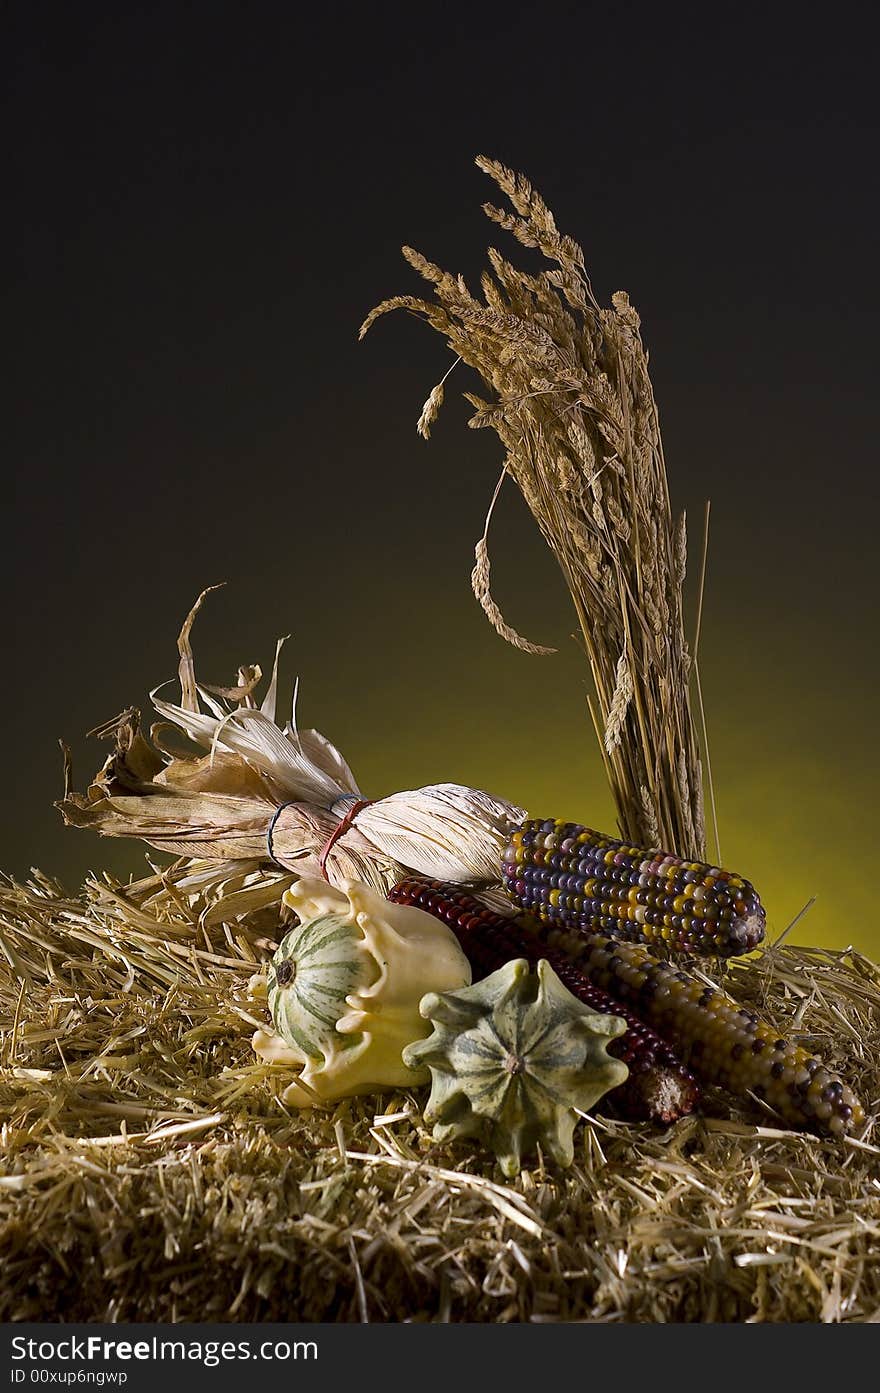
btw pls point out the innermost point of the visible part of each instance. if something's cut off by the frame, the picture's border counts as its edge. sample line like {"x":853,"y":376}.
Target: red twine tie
{"x":339,"y":831}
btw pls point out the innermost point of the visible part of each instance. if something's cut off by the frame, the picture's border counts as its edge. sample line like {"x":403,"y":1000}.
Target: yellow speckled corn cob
{"x":568,"y":875}
{"x":722,"y":1042}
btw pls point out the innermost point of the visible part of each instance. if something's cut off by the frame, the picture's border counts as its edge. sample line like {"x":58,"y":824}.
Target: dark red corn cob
{"x":571,"y":877}
{"x":659,"y":1087}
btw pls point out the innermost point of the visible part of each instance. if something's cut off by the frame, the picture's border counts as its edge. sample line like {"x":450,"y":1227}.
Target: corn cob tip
{"x":745,"y":933}
{"x":568,"y":875}
{"x":663,"y":1096}
{"x":720,"y":1040}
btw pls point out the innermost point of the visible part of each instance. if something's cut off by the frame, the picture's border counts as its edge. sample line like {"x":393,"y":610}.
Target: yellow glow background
{"x":790,"y":806}
{"x":365,"y":559}
{"x":400,"y":667}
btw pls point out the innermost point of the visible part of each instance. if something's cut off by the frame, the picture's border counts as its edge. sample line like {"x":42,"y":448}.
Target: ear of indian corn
{"x":567,"y":875}
{"x":659,"y":1088}
{"x":723,"y":1042}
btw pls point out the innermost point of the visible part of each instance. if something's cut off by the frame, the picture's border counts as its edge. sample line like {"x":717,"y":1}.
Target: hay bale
{"x":150,"y":1171}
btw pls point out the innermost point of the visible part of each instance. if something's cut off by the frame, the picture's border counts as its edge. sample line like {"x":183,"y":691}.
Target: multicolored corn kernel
{"x":569,"y":876}
{"x":724,"y":1043}
{"x":659,"y":1087}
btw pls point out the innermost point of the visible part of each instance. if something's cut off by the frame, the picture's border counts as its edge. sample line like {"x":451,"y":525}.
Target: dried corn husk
{"x":272,"y":796}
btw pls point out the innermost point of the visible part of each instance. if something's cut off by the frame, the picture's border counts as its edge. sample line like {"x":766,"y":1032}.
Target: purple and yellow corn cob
{"x":659,"y":1087}
{"x":569,"y":876}
{"x":723,"y":1042}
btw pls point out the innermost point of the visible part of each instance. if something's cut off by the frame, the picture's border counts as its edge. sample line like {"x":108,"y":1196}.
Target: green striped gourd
{"x":318,"y":965}
{"x":344,"y":989}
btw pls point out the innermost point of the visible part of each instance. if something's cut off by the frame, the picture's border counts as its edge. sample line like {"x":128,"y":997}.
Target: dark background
{"x":203,"y":202}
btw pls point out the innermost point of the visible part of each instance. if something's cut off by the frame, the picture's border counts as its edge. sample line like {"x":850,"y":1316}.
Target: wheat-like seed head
{"x":569,"y":395}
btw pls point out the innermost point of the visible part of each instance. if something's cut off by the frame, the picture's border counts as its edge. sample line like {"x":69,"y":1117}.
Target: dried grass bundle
{"x":573,"y":406}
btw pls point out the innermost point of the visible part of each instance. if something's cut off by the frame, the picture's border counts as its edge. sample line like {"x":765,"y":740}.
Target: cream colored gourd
{"x":344,"y":989}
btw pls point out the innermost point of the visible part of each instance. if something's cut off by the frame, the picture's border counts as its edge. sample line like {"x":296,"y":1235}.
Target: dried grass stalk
{"x":572,"y":403}
{"x":480,"y":584}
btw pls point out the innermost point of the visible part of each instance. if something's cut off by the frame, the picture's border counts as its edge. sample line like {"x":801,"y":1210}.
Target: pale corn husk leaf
{"x":267,"y":706}
{"x":320,"y":752}
{"x":445,"y":831}
{"x":263,"y":892}
{"x":200,"y":825}
{"x":250,"y":679}
{"x":292,"y":772}
{"x":188,"y":694}
{"x":221,"y":772}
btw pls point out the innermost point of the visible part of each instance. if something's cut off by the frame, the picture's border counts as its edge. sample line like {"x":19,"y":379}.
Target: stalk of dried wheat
{"x":572,"y":403}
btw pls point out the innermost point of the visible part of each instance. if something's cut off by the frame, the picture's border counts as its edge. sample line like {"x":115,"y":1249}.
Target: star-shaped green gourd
{"x":513,"y":1060}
